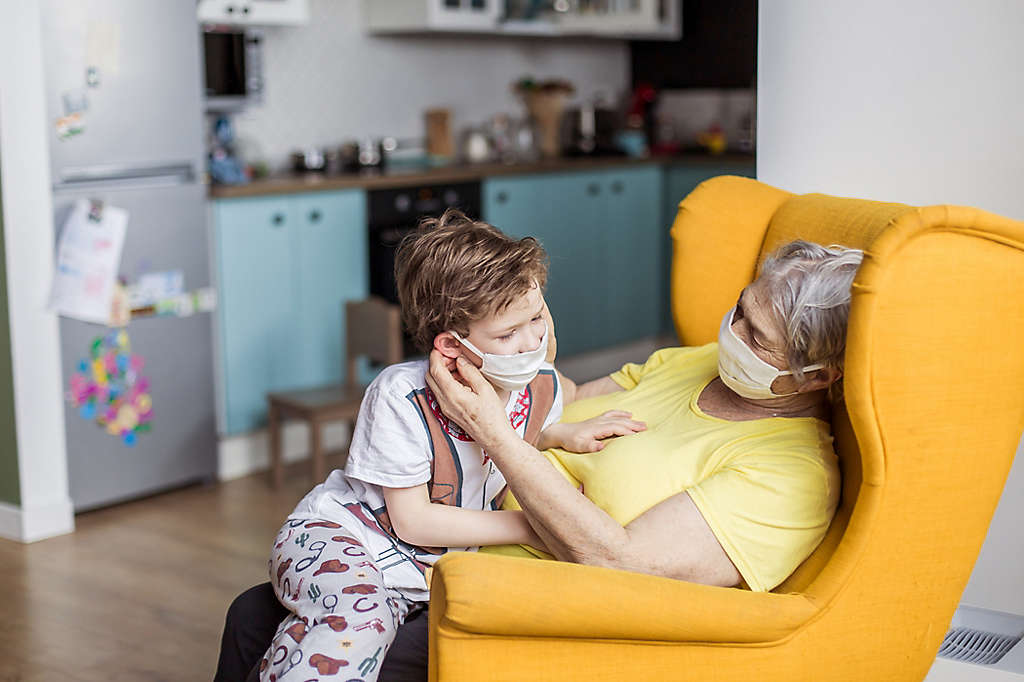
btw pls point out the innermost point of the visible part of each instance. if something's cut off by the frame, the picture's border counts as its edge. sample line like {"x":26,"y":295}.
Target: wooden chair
{"x":373,"y":330}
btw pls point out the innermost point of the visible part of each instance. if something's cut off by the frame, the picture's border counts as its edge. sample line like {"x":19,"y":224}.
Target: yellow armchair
{"x":934,"y":411}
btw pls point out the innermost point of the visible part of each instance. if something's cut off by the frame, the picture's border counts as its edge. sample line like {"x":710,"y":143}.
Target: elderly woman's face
{"x":758,"y":328}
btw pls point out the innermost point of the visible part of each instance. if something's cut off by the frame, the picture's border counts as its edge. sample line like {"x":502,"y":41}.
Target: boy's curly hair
{"x":453,"y":271}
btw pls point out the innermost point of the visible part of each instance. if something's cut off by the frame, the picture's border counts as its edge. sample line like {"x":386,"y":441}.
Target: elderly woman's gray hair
{"x":810,"y":290}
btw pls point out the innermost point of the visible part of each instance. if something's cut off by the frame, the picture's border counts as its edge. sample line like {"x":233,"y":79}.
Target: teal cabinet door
{"x":571,"y":232}
{"x":514,"y":204}
{"x":331,"y":267}
{"x":636,"y":281}
{"x":285,"y":267}
{"x":254,"y":277}
{"x":602,"y":231}
{"x":563,"y":212}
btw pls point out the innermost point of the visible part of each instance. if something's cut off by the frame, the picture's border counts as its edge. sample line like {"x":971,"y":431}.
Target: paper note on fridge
{"x":88,"y":258}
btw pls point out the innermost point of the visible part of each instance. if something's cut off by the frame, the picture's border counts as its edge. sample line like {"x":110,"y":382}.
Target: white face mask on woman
{"x":741,"y":369}
{"x":510,"y":372}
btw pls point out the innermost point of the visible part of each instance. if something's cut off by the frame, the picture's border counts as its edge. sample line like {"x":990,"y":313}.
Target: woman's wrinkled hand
{"x":590,"y":435}
{"x":468,"y":399}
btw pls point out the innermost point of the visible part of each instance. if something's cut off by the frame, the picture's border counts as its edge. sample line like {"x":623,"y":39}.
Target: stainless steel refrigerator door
{"x":166,"y":231}
{"x":143,"y":108}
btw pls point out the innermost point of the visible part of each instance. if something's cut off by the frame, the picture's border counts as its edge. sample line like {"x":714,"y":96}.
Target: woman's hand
{"x":466,"y":397}
{"x":587,"y":436}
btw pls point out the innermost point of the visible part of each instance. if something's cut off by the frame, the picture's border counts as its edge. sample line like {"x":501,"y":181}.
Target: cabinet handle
{"x":277,"y":220}
{"x":230,"y":9}
{"x":593,"y":189}
{"x":617,"y":187}
{"x":314,"y":216}
{"x":502,"y":197}
{"x":245,"y":10}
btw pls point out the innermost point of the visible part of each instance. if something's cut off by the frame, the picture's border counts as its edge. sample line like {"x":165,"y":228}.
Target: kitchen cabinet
{"x":647,"y":19}
{"x":253,"y":12}
{"x":623,"y":19}
{"x":636,"y":277}
{"x":285,"y":266}
{"x":402,"y":16}
{"x":601,"y":232}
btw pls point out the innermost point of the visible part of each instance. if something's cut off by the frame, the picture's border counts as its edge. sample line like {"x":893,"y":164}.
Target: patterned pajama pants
{"x":343,"y":618}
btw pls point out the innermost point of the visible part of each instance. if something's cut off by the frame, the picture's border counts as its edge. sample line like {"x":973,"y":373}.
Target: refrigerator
{"x":130,"y":70}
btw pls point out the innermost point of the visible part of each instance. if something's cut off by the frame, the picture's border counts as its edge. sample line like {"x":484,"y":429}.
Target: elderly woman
{"x":733,"y":482}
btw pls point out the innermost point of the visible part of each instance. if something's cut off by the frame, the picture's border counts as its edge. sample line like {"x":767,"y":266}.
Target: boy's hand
{"x":587,"y":436}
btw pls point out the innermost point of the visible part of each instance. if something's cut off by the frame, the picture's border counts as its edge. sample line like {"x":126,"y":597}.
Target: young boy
{"x":352,"y":559}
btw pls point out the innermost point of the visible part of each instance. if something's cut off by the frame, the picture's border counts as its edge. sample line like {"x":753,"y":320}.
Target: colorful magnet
{"x":108,"y":388}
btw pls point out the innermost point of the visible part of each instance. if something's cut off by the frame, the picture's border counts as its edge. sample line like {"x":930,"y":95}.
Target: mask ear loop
{"x":466,"y":344}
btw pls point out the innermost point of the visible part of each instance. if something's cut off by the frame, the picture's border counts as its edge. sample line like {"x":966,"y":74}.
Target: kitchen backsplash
{"x":328,"y":81}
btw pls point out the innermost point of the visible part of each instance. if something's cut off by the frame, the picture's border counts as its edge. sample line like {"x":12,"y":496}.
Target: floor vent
{"x":975,"y":646}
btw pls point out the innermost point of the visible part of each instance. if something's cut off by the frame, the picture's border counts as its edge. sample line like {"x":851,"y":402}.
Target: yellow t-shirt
{"x":766,"y":487}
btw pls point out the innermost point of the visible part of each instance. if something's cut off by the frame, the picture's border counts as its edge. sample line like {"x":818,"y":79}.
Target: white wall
{"x":919,"y":101}
{"x":28,"y":230}
{"x":328,"y":81}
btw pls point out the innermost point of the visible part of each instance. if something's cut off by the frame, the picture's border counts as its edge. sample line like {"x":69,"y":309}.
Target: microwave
{"x":233,"y":59}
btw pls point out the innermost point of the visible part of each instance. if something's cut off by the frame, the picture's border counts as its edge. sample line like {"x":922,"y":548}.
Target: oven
{"x":394,"y":213}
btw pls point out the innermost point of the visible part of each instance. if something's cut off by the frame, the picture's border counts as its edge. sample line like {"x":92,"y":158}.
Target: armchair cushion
{"x":504,"y":596}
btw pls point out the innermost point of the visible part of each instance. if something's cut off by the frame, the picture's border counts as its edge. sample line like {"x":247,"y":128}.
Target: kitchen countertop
{"x":400,"y":177}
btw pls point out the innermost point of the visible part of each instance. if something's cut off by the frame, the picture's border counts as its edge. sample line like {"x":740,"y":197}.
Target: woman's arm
{"x":420,"y":522}
{"x":671,"y":539}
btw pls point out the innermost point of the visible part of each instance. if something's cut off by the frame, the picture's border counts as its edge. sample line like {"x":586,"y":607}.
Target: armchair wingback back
{"x":934,"y":385}
{"x":933,"y":412}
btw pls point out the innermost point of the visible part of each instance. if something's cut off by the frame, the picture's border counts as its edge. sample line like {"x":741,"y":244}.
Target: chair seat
{"x":322,"y":402}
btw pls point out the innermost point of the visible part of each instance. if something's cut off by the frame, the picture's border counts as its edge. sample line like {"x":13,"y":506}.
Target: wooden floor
{"x":139,"y":591}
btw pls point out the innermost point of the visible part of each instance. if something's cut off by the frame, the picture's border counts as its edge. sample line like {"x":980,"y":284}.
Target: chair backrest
{"x":934,"y":384}
{"x":373,"y":330}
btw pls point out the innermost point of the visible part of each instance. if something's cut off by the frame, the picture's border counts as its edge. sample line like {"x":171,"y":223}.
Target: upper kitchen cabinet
{"x":413,"y":16}
{"x":641,"y":19}
{"x":254,"y":12}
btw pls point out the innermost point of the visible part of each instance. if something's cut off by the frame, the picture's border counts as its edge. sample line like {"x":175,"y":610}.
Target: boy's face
{"x":518,"y":328}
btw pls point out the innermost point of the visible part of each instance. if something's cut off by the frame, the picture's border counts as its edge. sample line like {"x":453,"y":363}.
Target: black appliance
{"x":394,"y":213}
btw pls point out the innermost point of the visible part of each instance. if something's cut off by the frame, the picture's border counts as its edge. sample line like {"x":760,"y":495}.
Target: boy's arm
{"x":420,"y":522}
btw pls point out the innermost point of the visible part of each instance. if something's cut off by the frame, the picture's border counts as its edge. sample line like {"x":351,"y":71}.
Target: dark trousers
{"x":253,"y":618}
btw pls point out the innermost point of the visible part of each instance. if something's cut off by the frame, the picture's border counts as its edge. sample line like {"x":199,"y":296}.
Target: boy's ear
{"x":447,"y":345}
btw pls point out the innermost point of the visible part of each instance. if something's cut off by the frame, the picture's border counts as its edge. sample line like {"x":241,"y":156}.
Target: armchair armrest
{"x":505,"y":596}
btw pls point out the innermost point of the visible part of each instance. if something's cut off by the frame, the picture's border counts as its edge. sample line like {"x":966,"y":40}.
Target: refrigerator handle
{"x":124,"y":176}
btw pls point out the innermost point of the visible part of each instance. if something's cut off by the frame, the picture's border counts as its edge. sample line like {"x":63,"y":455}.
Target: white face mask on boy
{"x":741,"y":369}
{"x":510,"y":372}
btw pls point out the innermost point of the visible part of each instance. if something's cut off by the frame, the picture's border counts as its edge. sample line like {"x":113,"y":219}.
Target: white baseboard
{"x":248,"y":453}
{"x":36,"y":523}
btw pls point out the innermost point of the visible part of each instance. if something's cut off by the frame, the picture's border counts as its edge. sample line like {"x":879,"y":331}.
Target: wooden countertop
{"x":318,"y":182}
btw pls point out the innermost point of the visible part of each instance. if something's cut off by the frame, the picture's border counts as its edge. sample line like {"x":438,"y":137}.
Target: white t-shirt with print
{"x":398,"y":429}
